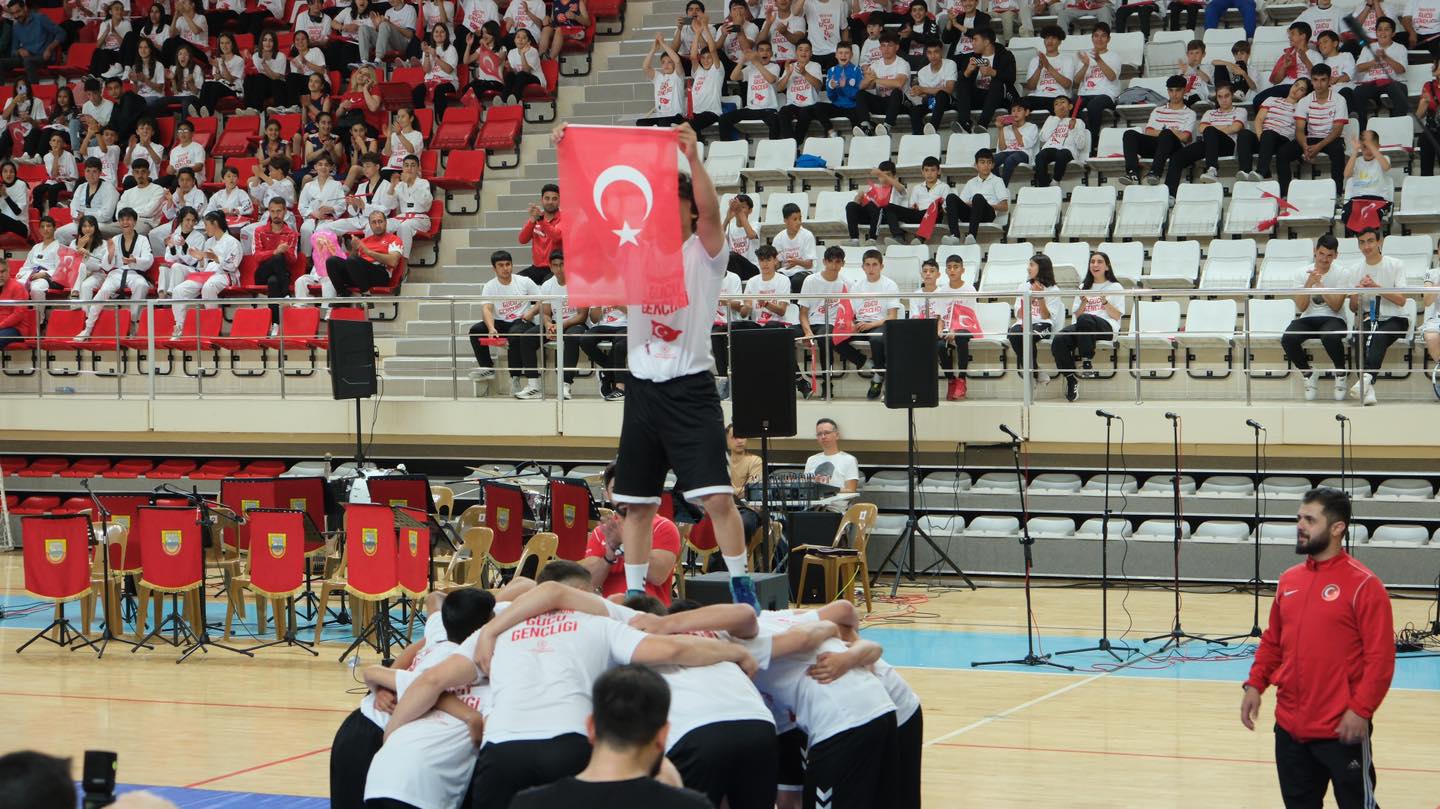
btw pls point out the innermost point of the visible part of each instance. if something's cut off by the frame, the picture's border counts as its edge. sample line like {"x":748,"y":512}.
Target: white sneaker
{"x":882,"y":129}
{"x":969,"y":239}
{"x":1312,"y":385}
{"x":530,"y":391}
{"x":565,"y":391}
{"x":1211,"y":175}
{"x":1340,"y":388}
{"x":1370,"y":395}
{"x":1369,"y":383}
{"x":929,"y":129}
{"x":478,"y":374}
{"x":949,"y":240}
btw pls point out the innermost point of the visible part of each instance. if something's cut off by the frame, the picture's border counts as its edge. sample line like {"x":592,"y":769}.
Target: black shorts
{"x":356,"y":743}
{"x":734,"y":761}
{"x":909,"y":744}
{"x":855,"y":769}
{"x":672,"y":425}
{"x":791,"y":755}
{"x":505,"y":769}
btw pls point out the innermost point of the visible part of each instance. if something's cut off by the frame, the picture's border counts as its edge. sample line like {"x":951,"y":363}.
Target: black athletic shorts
{"x":505,"y":769}
{"x":672,"y":425}
{"x":855,"y":769}
{"x":791,"y":754}
{"x":910,"y":743}
{"x":730,"y":760}
{"x":356,"y":743}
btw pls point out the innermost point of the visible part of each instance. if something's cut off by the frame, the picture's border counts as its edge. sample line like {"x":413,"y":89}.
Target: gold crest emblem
{"x":297,"y":503}
{"x":170,"y":542}
{"x":502,"y":518}
{"x":568,"y":512}
{"x":369,"y":540}
{"x":276,"y":544}
{"x":400,"y":503}
{"x":246,"y":505}
{"x":413,"y":537}
{"x":55,"y":551}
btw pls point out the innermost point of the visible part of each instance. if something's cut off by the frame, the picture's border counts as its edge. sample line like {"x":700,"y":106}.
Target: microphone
{"x":1005,"y":428}
{"x":1172,"y":416}
{"x":1253,"y":423}
{"x":1341,"y":417}
{"x":1103,"y":414}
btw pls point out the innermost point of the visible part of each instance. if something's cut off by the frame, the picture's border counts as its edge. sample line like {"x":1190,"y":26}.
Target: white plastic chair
{"x":774,"y":219}
{"x":1250,"y":208}
{"x":1404,"y":489}
{"x":1356,"y":487}
{"x":1160,"y":530}
{"x":1229,"y":265}
{"x":1316,"y":202}
{"x":1285,"y":258}
{"x":774,"y":160}
{"x":945,"y":482}
{"x":1284,"y":486}
{"x":866,"y":152}
{"x":993,"y":525}
{"x":1419,"y":201}
{"x":1036,"y":214}
{"x":1142,"y":212}
{"x":1196,"y":211}
{"x":1222,"y":531}
{"x":1400,"y":534}
{"x":1127,"y":259}
{"x":832,"y":150}
{"x":1227,"y":485}
{"x":912,"y":152}
{"x":1160,"y":484}
{"x":829,"y":217}
{"x":1174,"y":265}
{"x":1090,"y":213}
{"x":1071,"y":261}
{"x":1051,"y":526}
{"x":960,"y":152}
{"x":1005,"y":267}
{"x":997,"y":483}
{"x":1090,"y":529}
{"x":1055,"y":483}
{"x":1119,"y":484}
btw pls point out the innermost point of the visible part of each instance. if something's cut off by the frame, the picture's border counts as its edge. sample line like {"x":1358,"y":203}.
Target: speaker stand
{"x":906,"y":541}
{"x":359,"y":428}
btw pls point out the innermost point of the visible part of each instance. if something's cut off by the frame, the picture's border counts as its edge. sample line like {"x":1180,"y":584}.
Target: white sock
{"x":635,"y":576}
{"x":735,"y":564}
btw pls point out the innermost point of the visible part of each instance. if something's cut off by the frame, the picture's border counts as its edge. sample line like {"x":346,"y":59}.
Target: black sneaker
{"x":877,"y":385}
{"x":1072,"y":388}
{"x":1087,"y":368}
{"x":803,"y":388}
{"x":1130,"y":178}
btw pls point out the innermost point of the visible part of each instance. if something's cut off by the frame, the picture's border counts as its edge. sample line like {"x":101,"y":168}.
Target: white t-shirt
{"x":821,"y":710}
{"x":729,"y":290}
{"x":1061,"y":133}
{"x":782,"y":49}
{"x":992,"y":188}
{"x":895,"y":69}
{"x":825,"y":21}
{"x":1380,"y":71}
{"x":510,"y":311}
{"x":543,"y":669}
{"x":885,"y":295}
{"x":1335,"y":277}
{"x":836,"y":470}
{"x":759,"y":92}
{"x":705,"y":87}
{"x":904,"y":697}
{"x":775,"y":291}
{"x":1369,"y":181}
{"x":1163,"y":117}
{"x":1067,"y":64}
{"x":666,"y":342}
{"x":1341,"y":64}
{"x":732,"y":43}
{"x":437,"y":646}
{"x":1094,"y":82}
{"x":1092,"y":302}
{"x":1389,"y":273}
{"x":1279,"y":116}
{"x":669,"y":94}
{"x":1053,"y":302}
{"x":1218,"y":117}
{"x":562,"y":311}
{"x":788,"y":248}
{"x":869,"y":53}
{"x":1319,"y":116}
{"x":741,"y":243}
{"x":1028,"y":143}
{"x":921,"y":196}
{"x":929,"y":77}
{"x":1321,"y":20}
{"x":798,"y":91}
{"x":822,"y":311}
{"x":1425,"y":14}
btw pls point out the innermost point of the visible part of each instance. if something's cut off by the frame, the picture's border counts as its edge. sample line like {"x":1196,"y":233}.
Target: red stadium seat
{"x":239,"y":137}
{"x":289,"y":123}
{"x":74,"y":505}
{"x":459,"y":166}
{"x":457,"y":129}
{"x":61,"y":328}
{"x":201,"y":328}
{"x":609,"y":13}
{"x":11,"y":465}
{"x":577,"y":52}
{"x":77,"y":63}
{"x":425,"y":123}
{"x":215,"y":470}
{"x":171,"y":469}
{"x":299,"y":325}
{"x":164,"y":327}
{"x":542,"y":99}
{"x":44,"y":468}
{"x":265,"y":468}
{"x":501,"y":133}
{"x":37,"y":504}
{"x":109,"y":328}
{"x":244,"y":164}
{"x":396,"y":92}
{"x":206,"y":130}
{"x":86,"y":468}
{"x":247,"y":328}
{"x":437,"y":216}
{"x":129,"y":468}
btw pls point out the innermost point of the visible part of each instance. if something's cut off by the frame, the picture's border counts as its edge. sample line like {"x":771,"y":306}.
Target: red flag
{"x":963,"y":318}
{"x":622,"y":224}
{"x":844,"y":321}
{"x":1364,"y":214}
{"x":67,"y":272}
{"x":927,"y":222}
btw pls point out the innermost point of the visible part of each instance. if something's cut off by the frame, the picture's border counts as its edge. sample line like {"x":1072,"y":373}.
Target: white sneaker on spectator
{"x":969,"y":239}
{"x":530,"y":391}
{"x":1211,"y":175}
{"x":949,"y":240}
{"x":929,"y":129}
{"x":1312,"y":385}
{"x":478,"y":374}
{"x":1370,"y":396}
{"x":565,"y":391}
{"x":1368,"y":382}
{"x":857,"y":132}
{"x":1340,"y":388}
{"x":882,"y":129}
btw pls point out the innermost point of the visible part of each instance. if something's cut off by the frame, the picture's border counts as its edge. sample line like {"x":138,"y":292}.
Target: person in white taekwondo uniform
{"x":232,"y":201}
{"x":186,"y":194}
{"x":412,"y":203}
{"x":41,"y":262}
{"x":373,"y":193}
{"x":321,"y":201}
{"x":176,"y":252}
{"x":126,"y":258}
{"x":535,"y":721}
{"x":94,"y":197}
{"x":220,"y":257}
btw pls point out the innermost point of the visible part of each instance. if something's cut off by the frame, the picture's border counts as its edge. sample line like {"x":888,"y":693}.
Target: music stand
{"x":278,"y":538}
{"x":54,"y":573}
{"x":107,"y":635}
{"x":572,"y":509}
{"x":378,"y":632}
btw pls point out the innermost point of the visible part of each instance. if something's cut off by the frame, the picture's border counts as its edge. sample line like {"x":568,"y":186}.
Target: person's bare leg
{"x":1432,"y":345}
{"x":636,"y":535}
{"x":729,"y":531}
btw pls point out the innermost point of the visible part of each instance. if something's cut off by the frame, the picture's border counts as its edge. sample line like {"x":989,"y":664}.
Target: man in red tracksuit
{"x":1330,"y":649}
{"x":544,"y":233}
{"x":17,"y":317}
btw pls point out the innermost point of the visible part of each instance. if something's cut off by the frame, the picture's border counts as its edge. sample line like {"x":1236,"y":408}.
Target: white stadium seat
{"x":1006,"y":267}
{"x":1230,"y":264}
{"x":774,"y":159}
{"x":1174,"y":265}
{"x":833,"y":152}
{"x":1142,"y":211}
{"x":1090,"y":213}
{"x":1196,"y":211}
{"x":1161,"y":530}
{"x":1254,"y":208}
{"x":1036,"y":213}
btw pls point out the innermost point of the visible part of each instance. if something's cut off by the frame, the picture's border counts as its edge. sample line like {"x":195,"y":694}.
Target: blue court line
{"x":217,"y":799}
{"x":923,"y":648}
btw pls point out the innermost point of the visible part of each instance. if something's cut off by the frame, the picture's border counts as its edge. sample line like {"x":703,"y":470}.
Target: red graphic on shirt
{"x":660,"y":331}
{"x":1331,"y":592}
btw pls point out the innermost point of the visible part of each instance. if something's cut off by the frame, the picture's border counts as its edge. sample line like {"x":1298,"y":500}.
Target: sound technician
{"x":1330,"y":649}
{"x":831,"y":465}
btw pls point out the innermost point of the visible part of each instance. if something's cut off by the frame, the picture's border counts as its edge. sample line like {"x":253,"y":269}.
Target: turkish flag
{"x":844,"y":324}
{"x":622,"y":223}
{"x":963,"y":318}
{"x":67,"y":271}
{"x":927,"y":222}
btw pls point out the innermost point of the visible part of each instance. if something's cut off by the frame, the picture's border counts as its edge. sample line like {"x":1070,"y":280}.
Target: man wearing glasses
{"x":831,"y":465}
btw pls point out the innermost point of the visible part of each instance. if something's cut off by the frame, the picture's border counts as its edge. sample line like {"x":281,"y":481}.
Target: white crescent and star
{"x":624,"y":174}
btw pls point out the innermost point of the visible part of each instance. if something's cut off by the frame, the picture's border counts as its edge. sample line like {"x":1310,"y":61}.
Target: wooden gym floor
{"x":1157,"y":732}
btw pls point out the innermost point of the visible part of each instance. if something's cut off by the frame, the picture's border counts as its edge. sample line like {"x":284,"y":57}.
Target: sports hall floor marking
{"x":1163,"y":756}
{"x":285,"y":760}
{"x":37,"y":695}
{"x":979,"y":723}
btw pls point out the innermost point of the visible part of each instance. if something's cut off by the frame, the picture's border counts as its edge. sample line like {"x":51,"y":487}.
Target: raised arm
{"x":689,"y":650}
{"x":707,"y":204}
{"x":831,"y":666}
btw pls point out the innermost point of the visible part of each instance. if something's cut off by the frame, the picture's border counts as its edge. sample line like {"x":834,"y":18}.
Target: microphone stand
{"x":1255,"y":582}
{"x":202,"y":636}
{"x":1344,"y":480}
{"x":1104,"y":644}
{"x":1177,"y":635}
{"x":1030,"y":658}
{"x":107,"y":634}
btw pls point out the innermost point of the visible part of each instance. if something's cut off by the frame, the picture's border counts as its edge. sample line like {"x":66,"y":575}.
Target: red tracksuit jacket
{"x":1330,"y":646}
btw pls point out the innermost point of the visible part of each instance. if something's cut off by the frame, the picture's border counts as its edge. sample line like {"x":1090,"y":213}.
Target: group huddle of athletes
{"x":790,"y":709}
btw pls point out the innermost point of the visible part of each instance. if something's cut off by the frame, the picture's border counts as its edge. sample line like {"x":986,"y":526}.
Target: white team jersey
{"x":564,"y":310}
{"x":543,"y":669}
{"x":667,"y":342}
{"x":512,"y":309}
{"x":821,"y":710}
{"x":904,"y":697}
{"x":775,"y":290}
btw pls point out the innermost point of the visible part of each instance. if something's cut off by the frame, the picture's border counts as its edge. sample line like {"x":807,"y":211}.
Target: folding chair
{"x":836,"y":560}
{"x":276,"y":573}
{"x":57,"y":570}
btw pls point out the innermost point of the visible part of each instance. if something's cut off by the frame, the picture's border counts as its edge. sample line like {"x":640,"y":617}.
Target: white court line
{"x":1008,"y":711}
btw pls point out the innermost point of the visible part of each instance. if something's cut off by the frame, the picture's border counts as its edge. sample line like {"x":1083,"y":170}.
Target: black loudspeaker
{"x":352,"y":359}
{"x":911,"y":364}
{"x":762,"y":382}
{"x":772,"y":589}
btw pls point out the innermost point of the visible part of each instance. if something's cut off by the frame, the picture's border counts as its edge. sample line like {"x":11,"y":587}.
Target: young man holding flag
{"x":672,"y":409}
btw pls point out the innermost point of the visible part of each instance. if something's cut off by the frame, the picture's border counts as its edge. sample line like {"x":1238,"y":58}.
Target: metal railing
{"x":291,"y":365}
